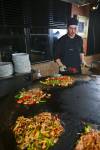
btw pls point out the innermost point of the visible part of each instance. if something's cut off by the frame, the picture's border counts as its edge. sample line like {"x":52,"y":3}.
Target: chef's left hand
{"x":85,"y":64}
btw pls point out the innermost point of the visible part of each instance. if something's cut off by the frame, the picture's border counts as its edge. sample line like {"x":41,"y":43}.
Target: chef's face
{"x":72,"y":30}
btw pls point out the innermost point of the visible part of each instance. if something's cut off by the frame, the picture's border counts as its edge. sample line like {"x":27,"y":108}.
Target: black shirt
{"x":68,"y":50}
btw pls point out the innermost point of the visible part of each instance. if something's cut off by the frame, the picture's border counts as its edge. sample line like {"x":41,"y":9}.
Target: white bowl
{"x":6,"y":69}
{"x":21,"y":62}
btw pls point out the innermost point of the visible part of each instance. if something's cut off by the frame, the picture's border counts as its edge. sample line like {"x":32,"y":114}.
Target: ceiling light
{"x":95,"y":7}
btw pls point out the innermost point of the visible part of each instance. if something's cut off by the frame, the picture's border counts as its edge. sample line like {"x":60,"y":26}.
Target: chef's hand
{"x":84,"y":64}
{"x":63,"y":68}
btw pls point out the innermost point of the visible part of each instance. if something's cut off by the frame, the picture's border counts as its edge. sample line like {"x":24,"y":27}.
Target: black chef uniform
{"x":68,"y":50}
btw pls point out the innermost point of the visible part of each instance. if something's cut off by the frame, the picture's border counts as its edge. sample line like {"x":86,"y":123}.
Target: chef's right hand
{"x":62,"y":68}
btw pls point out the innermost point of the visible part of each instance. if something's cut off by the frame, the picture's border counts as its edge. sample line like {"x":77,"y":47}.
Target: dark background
{"x":25,"y":27}
{"x":94,"y":32}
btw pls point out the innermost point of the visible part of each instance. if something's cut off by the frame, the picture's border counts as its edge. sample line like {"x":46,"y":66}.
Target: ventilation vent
{"x":58,"y":14}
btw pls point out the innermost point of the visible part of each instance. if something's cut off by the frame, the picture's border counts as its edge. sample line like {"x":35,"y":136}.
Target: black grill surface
{"x":75,"y":105}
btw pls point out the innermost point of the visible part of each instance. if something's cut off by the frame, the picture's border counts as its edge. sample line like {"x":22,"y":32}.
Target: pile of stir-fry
{"x":37,"y":133}
{"x":32,"y":96}
{"x":90,"y":140}
{"x":63,"y":81}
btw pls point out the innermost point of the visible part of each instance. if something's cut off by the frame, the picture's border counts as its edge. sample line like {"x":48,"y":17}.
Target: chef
{"x":69,"y":53}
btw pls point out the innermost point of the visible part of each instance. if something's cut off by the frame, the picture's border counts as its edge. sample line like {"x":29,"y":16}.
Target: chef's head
{"x":72,"y":27}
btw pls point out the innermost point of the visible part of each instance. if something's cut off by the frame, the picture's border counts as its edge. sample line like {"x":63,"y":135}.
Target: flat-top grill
{"x":75,"y":105}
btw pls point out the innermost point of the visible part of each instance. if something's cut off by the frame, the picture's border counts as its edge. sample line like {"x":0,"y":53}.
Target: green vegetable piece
{"x":87,"y":129}
{"x":18,"y":96}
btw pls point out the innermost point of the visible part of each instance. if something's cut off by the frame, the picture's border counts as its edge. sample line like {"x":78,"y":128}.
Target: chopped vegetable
{"x":89,"y":140}
{"x":37,"y":133}
{"x":63,"y":81}
{"x":87,"y":128}
{"x":32,"y":96}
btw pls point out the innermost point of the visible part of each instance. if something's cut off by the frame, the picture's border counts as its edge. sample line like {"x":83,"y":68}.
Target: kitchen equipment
{"x":95,"y":67}
{"x":21,"y":62}
{"x":6,"y":69}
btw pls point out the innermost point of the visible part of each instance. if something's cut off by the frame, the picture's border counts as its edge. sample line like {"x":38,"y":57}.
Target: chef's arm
{"x":58,"y":61}
{"x":83,"y":60}
{"x":60,"y":64}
